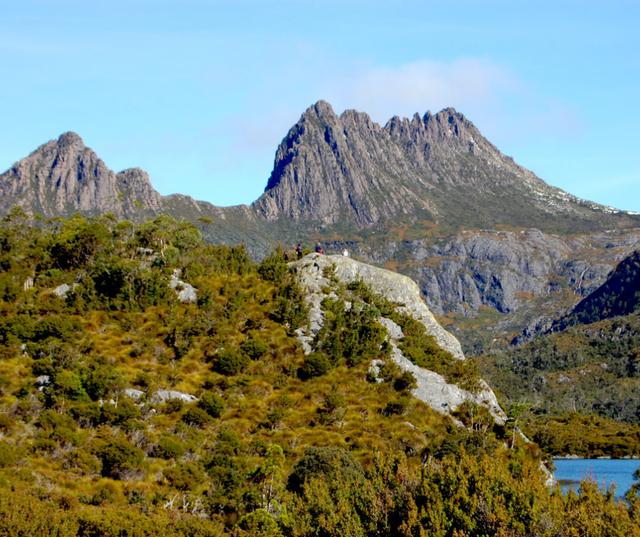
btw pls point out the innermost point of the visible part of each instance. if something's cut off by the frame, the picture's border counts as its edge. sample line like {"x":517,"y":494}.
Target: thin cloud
{"x":467,"y":84}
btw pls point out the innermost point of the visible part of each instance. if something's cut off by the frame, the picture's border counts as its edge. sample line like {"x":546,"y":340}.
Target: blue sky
{"x":199,"y":93}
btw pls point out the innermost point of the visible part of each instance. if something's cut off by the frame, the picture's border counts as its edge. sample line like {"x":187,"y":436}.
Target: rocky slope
{"x":619,"y":295}
{"x":319,"y":275}
{"x":347,"y":169}
{"x":500,"y":283}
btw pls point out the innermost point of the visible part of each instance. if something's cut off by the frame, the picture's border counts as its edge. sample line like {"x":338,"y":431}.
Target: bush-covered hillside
{"x":126,"y":410}
{"x":588,"y":376}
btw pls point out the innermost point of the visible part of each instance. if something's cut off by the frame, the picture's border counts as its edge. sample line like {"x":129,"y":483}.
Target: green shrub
{"x":332,"y":408}
{"x":254,"y":348}
{"x":56,"y":326}
{"x":120,"y":459}
{"x":405,"y":382}
{"x":212,"y":404}
{"x":86,"y":413}
{"x":331,"y":463}
{"x":168,"y":447}
{"x":259,"y":523}
{"x":196,"y":417}
{"x":274,"y":267}
{"x":6,"y":423}
{"x":9,"y":455}
{"x":121,"y":413}
{"x":57,"y":428}
{"x":83,"y":461}
{"x":396,"y":408}
{"x":315,"y":364}
{"x":185,"y":476}
{"x":230,"y":362}
{"x":69,"y":384}
{"x":101,"y":381}
{"x":172,"y":406}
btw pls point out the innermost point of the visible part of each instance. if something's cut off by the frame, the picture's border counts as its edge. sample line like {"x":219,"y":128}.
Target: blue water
{"x":605,"y":472}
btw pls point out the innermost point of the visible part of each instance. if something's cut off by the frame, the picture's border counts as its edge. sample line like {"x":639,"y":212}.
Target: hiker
{"x":299,"y":250}
{"x":319,"y":249}
{"x":345,"y":252}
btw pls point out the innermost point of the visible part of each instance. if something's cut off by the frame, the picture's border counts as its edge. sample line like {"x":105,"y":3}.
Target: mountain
{"x":332,"y":170}
{"x":347,"y":170}
{"x":64,"y":176}
{"x":428,"y":196}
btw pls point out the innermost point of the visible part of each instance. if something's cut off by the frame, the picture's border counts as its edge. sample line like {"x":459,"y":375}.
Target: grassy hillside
{"x":91,"y":333}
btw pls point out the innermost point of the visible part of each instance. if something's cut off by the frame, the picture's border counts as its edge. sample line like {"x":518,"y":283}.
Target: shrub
{"x":57,"y":427}
{"x":259,"y":523}
{"x":119,"y":458}
{"x":315,"y":364}
{"x":121,"y":413}
{"x":184,"y":476}
{"x":101,"y":381}
{"x":196,"y":417}
{"x":332,"y":408}
{"x":334,"y":464}
{"x":68,"y":384}
{"x":172,"y":406}
{"x":398,"y":407}
{"x":405,"y":382}
{"x":168,"y":447}
{"x":6,"y":423}
{"x":8,"y":454}
{"x":56,"y":326}
{"x":212,"y":404}
{"x":274,"y":268}
{"x":230,"y":362}
{"x":254,"y":348}
{"x":86,"y":413}
{"x":82,"y":460}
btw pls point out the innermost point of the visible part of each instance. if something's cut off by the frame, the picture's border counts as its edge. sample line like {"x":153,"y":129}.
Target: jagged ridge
{"x":334,"y":169}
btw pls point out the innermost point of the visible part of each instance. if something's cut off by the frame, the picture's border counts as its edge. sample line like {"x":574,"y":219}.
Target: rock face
{"x":431,"y":388}
{"x":162,"y":396}
{"x":503,"y":270}
{"x":396,"y":288}
{"x":184,"y":291}
{"x":618,"y":295}
{"x":346,"y":169}
{"x":63,"y":176}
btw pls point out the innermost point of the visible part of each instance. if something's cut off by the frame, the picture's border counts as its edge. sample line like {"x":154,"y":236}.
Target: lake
{"x":605,"y":472}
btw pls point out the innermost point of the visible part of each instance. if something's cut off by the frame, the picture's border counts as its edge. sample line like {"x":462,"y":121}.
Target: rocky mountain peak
{"x":63,"y":176}
{"x":347,"y":170}
{"x":70,"y":139}
{"x":320,"y":110}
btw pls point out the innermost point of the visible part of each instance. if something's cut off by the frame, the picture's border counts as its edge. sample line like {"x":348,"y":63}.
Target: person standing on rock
{"x":299,"y":250}
{"x":319,"y":249}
